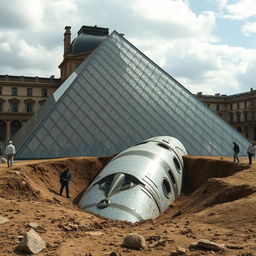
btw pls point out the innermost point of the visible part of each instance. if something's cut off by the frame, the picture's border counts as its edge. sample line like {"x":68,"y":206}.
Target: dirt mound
{"x":217,"y":203}
{"x":40,"y":180}
{"x":198,"y":170}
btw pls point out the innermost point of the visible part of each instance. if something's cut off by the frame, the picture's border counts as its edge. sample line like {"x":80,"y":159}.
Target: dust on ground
{"x":218,"y":203}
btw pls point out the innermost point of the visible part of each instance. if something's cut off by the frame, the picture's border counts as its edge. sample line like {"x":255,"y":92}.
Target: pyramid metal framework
{"x":116,"y":98}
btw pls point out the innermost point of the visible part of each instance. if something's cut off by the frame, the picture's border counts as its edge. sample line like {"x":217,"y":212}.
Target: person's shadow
{"x":54,"y":191}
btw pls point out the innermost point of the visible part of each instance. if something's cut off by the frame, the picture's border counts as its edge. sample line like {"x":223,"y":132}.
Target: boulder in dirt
{"x":134,"y":241}
{"x":31,"y":242}
{"x":179,"y":251}
{"x":114,"y":254}
{"x":208,"y":245}
{"x":3,"y":219}
{"x":33,"y":225}
{"x":3,"y":160}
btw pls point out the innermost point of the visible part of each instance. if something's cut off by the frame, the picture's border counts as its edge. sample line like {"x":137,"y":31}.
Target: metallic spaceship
{"x":139,"y":183}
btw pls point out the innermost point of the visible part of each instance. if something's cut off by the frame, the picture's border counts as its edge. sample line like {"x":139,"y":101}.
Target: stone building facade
{"x":20,"y":97}
{"x":238,"y":109}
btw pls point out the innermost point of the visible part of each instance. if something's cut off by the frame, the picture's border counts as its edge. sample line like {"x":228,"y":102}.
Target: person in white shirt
{"x":251,"y":152}
{"x":10,"y":152}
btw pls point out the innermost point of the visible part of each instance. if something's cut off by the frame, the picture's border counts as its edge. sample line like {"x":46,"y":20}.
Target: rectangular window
{"x":217,"y":107}
{"x":14,"y":91}
{"x":238,"y":105}
{"x":44,"y":92}
{"x":1,"y":106}
{"x":29,"y":92}
{"x":14,"y":107}
{"x":29,"y":107}
{"x":1,"y":91}
{"x":231,"y":106}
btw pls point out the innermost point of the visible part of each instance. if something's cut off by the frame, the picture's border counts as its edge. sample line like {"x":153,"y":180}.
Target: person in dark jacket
{"x":65,"y":178}
{"x":236,"y":151}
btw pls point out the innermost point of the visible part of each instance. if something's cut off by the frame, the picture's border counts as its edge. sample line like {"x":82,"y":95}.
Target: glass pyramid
{"x":116,"y":98}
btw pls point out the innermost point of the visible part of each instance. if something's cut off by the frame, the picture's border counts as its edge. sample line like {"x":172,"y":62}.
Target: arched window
{"x":245,"y":116}
{"x":2,"y":105}
{"x":14,"y":104}
{"x":2,"y":130}
{"x":238,"y":114}
{"x":29,"y":103}
{"x":15,"y":126}
{"x":231,"y":117}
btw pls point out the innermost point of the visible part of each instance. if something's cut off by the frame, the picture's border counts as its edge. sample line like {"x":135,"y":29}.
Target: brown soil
{"x":218,"y":203}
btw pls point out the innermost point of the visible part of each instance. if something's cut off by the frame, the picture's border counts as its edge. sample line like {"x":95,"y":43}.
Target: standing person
{"x":65,"y":178}
{"x":10,"y":152}
{"x":236,"y":151}
{"x":251,"y":152}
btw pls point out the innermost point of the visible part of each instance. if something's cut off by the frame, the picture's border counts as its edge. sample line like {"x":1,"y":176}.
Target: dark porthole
{"x":172,"y":177}
{"x":176,"y":163}
{"x":162,"y":145}
{"x":166,"y":188}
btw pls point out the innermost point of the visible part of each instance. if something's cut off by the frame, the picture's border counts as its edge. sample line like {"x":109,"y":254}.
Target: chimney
{"x":67,"y":36}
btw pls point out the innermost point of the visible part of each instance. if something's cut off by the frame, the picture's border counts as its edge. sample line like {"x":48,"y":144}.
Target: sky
{"x":209,"y":46}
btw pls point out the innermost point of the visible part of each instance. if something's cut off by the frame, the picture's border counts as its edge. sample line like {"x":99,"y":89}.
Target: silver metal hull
{"x":139,"y":183}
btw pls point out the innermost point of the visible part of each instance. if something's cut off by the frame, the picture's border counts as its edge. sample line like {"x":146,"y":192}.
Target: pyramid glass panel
{"x":116,"y":98}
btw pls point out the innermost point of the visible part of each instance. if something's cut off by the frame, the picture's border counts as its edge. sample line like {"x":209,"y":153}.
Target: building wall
{"x":239,"y":110}
{"x":20,"y":97}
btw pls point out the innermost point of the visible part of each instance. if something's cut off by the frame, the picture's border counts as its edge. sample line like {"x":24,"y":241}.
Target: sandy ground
{"x":218,"y":203}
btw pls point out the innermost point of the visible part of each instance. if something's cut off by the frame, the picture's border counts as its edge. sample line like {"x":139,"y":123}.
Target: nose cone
{"x":117,"y":183}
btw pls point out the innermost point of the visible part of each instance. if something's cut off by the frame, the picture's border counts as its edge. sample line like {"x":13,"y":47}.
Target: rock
{"x":19,"y":238}
{"x":114,"y":254}
{"x":178,"y":213}
{"x":134,"y":241}
{"x":179,"y":251}
{"x":3,"y":219}
{"x":31,"y":242}
{"x":70,"y":227}
{"x":33,"y":225}
{"x":3,"y":160}
{"x":235,"y":247}
{"x":208,"y":245}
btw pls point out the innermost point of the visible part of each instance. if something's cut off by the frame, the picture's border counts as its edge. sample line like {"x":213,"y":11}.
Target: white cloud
{"x":5,"y":46}
{"x":240,"y":10}
{"x":202,"y":66}
{"x":177,"y":39}
{"x":249,"y":28}
{"x":19,"y":14}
